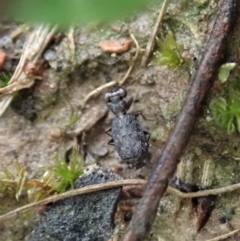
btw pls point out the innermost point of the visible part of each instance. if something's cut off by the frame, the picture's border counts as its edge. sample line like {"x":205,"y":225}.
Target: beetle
{"x":129,"y":139}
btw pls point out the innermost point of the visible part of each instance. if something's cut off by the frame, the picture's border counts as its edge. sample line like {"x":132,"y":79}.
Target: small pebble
{"x":115,"y":46}
{"x":103,"y":151}
{"x":50,"y":55}
{"x":6,"y":42}
{"x":150,"y":82}
{"x":55,"y":133}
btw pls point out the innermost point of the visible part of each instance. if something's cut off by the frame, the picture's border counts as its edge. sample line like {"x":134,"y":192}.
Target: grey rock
{"x":86,"y":217}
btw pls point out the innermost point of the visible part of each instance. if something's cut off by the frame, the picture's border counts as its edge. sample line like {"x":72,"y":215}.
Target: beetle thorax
{"x":117,"y":105}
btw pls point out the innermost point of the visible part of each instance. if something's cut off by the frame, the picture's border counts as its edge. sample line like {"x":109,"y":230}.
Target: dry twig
{"x":204,"y":193}
{"x":108,"y":185}
{"x":80,"y":191}
{"x":224,"y":236}
{"x":32,"y":51}
{"x":152,"y":39}
{"x":169,"y":158}
{"x":115,"y":82}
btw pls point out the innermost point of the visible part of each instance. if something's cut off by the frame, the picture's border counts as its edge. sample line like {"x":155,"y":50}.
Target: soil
{"x":55,"y":104}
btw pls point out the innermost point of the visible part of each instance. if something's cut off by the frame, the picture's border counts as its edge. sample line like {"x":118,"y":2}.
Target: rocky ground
{"x":43,"y":121}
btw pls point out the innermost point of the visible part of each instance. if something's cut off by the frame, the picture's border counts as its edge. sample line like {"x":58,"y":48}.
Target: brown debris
{"x":33,"y":48}
{"x":203,"y":205}
{"x":204,"y":209}
{"x":133,"y":191}
{"x":3,"y":57}
{"x":115,"y":46}
{"x":30,"y":68}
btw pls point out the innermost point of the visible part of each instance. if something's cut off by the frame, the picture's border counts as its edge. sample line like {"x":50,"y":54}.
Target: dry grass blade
{"x":204,"y":193}
{"x":115,"y":82}
{"x":80,"y":191}
{"x":224,"y":236}
{"x":152,"y":39}
{"x":108,"y":185}
{"x":32,"y":51}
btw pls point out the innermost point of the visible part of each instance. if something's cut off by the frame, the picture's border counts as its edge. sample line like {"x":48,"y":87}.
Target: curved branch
{"x":179,"y":138}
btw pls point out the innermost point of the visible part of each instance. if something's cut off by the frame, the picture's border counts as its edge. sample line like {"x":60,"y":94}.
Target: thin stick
{"x":204,"y":193}
{"x":97,"y":91}
{"x":80,"y":191}
{"x":152,"y":40}
{"x":169,"y":158}
{"x":121,"y":82}
{"x":224,"y":236}
{"x":108,"y":185}
{"x":115,"y":82}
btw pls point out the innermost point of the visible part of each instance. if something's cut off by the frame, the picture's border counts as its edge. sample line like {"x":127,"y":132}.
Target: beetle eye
{"x":107,"y":96}
{"x":122,"y":92}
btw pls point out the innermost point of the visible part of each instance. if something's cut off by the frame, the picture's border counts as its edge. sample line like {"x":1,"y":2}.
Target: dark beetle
{"x":130,"y":140}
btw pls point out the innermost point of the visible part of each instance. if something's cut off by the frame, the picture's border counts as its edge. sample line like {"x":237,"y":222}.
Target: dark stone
{"x":86,"y":217}
{"x":185,"y":187}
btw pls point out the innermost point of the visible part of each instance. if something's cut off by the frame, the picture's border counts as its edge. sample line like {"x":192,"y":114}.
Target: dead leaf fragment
{"x":30,"y":68}
{"x":115,"y":46}
{"x":204,"y":209}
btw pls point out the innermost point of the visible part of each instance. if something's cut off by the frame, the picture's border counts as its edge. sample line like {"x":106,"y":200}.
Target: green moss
{"x":56,"y":178}
{"x":66,"y":174}
{"x":169,"y":53}
{"x":226,"y":113}
{"x":236,"y":83}
{"x":73,"y":120}
{"x":4,"y":79}
{"x":165,"y":231}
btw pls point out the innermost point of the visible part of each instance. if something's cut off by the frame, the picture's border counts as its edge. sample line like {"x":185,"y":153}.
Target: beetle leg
{"x":108,"y":130}
{"x":110,"y":107}
{"x":140,"y":113}
{"x":111,"y":142}
{"x":147,"y":135}
{"x":129,"y":103}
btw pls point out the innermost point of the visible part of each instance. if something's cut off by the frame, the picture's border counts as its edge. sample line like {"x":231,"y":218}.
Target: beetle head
{"x":115,"y":100}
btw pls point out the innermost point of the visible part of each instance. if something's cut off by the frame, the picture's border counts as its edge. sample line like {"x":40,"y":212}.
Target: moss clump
{"x":226,"y":113}
{"x":169,"y":53}
{"x":55,"y":179}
